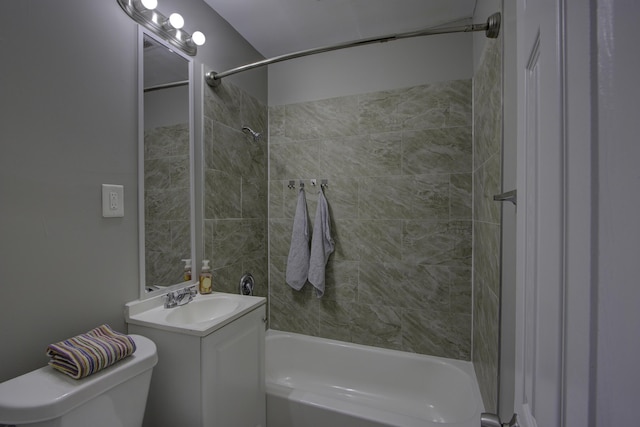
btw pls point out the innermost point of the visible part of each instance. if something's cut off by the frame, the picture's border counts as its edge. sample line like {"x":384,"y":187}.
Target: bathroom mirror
{"x":165,"y":162}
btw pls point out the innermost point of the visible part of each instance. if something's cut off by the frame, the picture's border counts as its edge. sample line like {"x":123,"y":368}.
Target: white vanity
{"x":210,"y":369}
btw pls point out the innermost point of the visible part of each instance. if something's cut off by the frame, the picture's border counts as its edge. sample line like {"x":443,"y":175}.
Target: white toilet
{"x":113,"y":397}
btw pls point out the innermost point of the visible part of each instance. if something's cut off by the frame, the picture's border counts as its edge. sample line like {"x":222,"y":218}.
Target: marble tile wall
{"x":166,"y":183}
{"x":399,"y":165}
{"x":487,"y":95}
{"x":235,"y":188}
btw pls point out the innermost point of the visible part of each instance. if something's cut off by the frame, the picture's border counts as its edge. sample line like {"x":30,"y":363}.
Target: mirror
{"x":165,"y":164}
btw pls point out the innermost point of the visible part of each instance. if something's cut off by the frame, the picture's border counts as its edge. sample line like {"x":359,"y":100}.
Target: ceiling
{"x":277,"y":27}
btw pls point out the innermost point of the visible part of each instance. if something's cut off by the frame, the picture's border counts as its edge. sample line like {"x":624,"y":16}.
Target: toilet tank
{"x":113,"y":397}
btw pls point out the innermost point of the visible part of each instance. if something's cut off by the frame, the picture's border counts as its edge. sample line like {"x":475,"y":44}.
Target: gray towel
{"x":298,"y":260}
{"x":322,"y":245}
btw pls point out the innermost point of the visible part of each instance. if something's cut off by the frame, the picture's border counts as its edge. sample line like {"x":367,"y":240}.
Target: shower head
{"x":256,"y":135}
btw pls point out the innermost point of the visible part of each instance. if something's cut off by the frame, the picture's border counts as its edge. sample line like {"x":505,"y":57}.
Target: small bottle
{"x":205,"y":278}
{"x":187,"y":270}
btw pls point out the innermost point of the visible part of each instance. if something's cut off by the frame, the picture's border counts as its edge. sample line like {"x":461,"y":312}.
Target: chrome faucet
{"x":179,"y":297}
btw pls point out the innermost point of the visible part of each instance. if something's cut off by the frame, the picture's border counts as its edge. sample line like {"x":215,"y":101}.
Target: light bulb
{"x":176,"y":20}
{"x":149,"y":4}
{"x":198,"y":38}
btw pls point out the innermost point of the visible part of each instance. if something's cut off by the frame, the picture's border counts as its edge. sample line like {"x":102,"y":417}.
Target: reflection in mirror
{"x":166,"y":211}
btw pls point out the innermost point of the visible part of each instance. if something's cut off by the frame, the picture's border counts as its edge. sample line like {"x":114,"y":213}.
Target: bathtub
{"x":317,"y":382}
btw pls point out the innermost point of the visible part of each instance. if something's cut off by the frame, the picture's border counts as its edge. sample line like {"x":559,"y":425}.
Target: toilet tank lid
{"x":46,"y":394}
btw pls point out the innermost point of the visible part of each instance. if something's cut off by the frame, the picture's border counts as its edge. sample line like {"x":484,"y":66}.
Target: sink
{"x":200,"y":317}
{"x":203,"y":309}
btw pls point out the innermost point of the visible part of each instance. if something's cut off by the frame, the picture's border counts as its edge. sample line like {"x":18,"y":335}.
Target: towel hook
{"x":324,"y":183}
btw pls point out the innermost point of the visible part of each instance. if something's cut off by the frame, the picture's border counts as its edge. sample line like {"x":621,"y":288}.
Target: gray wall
{"x":68,"y":120}
{"x":618,"y":203}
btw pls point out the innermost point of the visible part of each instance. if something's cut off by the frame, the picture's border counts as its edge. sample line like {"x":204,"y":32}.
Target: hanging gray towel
{"x":322,"y":245}
{"x":298,"y":260}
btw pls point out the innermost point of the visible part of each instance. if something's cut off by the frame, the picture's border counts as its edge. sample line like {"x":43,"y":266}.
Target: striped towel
{"x":90,"y":352}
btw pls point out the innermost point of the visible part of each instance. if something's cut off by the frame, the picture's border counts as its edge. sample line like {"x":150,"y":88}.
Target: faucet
{"x":179,"y":297}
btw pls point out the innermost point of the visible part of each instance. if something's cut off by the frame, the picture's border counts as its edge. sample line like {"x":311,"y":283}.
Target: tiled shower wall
{"x":167,"y":203}
{"x":399,"y":166}
{"x":486,"y":220}
{"x":235,"y":188}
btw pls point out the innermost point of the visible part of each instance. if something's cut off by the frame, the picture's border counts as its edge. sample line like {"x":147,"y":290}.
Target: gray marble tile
{"x":426,"y":242}
{"x":384,"y":284}
{"x":181,"y":237}
{"x":361,"y":155}
{"x":276,"y":121}
{"x":294,"y":160}
{"x":341,"y":281}
{"x":277,"y":191}
{"x":487,"y":183}
{"x":379,"y":241}
{"x":254,"y":197}
{"x":342,"y":198}
{"x":437,"y":333}
{"x":229,"y":149}
{"x":487,"y":255}
{"x":326,"y":118}
{"x":376,"y":325}
{"x":419,"y":196}
{"x":423,"y":107}
{"x":431,"y":151}
{"x":486,"y":345}
{"x":167,"y":204}
{"x":299,"y":316}
{"x":335,"y":319}
{"x":460,"y":196}
{"x":224,"y":104}
{"x":157,"y":236}
{"x":222,"y":195}
{"x":234,"y":240}
{"x":280,"y":236}
{"x":346,"y":235}
{"x":166,"y":141}
{"x":378,"y":111}
{"x":254,"y":115}
{"x":460,"y":290}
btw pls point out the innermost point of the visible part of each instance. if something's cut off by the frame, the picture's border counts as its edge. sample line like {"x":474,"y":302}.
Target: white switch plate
{"x":112,"y":200}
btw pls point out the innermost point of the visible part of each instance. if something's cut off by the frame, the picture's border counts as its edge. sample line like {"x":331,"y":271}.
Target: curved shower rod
{"x":491,"y":29}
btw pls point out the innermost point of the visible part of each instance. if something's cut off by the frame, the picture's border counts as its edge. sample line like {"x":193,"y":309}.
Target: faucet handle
{"x":170,"y":299}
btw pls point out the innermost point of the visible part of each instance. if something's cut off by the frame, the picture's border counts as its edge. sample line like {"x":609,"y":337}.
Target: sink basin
{"x":203,"y":310}
{"x":202,"y":316}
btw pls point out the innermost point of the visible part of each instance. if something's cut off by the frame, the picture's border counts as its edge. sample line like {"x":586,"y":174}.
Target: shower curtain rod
{"x":166,"y":86}
{"x":491,"y":29}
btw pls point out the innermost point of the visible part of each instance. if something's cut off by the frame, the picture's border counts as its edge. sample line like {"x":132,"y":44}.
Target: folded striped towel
{"x":90,"y":352}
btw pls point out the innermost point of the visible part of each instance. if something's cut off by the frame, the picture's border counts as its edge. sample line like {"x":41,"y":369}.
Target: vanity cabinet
{"x":215,"y":380}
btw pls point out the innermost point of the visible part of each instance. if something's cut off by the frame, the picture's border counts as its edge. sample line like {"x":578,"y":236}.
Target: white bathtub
{"x":317,"y":382}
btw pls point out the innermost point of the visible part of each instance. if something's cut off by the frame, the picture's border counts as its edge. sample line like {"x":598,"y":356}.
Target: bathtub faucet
{"x":179,"y":297}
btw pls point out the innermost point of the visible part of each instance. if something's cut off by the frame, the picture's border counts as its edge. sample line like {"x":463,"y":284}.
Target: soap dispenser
{"x":187,"y":270}
{"x":205,"y":278}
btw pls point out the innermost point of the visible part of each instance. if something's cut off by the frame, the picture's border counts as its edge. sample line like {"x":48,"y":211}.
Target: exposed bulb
{"x":198,"y":38}
{"x":176,"y":20}
{"x":149,"y":4}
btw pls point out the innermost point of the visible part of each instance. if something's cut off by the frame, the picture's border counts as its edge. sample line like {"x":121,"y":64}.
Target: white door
{"x":553,"y":326}
{"x":539,"y":265}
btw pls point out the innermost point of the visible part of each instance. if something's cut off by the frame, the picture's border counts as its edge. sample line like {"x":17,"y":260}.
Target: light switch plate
{"x":112,"y":200}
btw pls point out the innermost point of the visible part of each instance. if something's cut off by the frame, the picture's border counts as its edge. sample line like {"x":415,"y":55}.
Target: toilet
{"x":113,"y":397}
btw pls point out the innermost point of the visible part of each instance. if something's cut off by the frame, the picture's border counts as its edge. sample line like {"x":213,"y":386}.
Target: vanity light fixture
{"x":169,"y":28}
